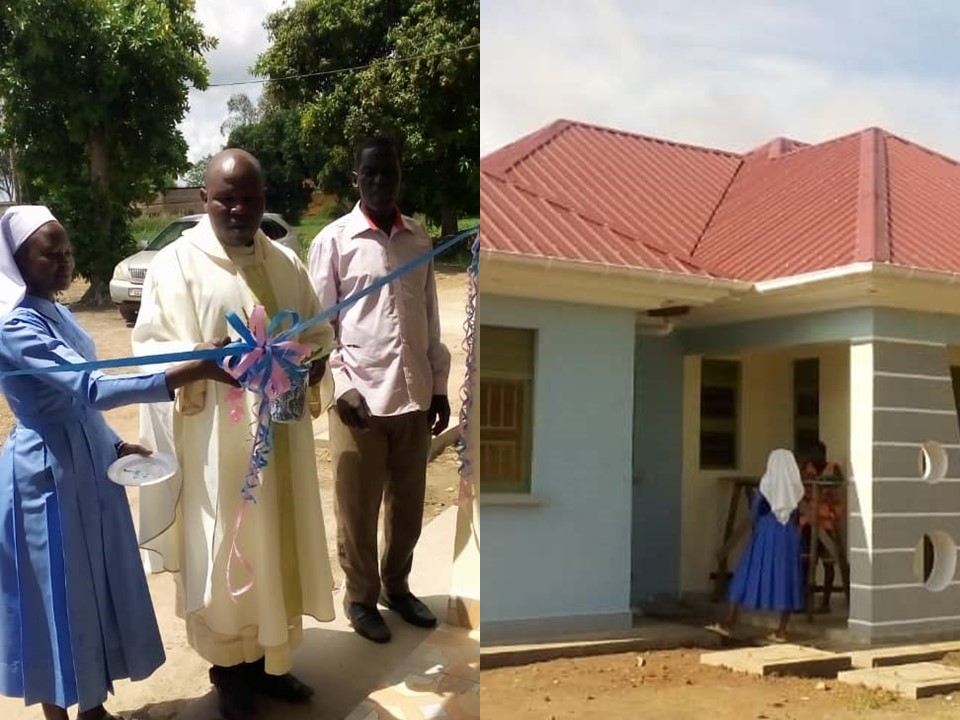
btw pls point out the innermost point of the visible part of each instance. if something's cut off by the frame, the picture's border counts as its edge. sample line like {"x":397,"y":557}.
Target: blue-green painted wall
{"x":571,"y":555}
{"x":826,"y":327}
{"x":657,"y":467}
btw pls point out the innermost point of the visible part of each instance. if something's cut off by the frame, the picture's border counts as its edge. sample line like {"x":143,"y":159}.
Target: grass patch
{"x":872,"y":700}
{"x":459,"y":255}
{"x":146,"y":227}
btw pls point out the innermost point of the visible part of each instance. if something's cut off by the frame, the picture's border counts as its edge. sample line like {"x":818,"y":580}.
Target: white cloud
{"x":241,"y":35}
{"x":730,"y":75}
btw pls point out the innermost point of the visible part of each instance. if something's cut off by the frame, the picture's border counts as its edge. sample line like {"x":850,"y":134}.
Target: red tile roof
{"x":517,"y":220}
{"x":636,"y":184}
{"x":924,"y":206}
{"x":787,"y":214}
{"x":581,"y":192}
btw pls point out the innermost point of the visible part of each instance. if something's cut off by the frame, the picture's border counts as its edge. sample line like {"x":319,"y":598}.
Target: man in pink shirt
{"x":390,"y":374}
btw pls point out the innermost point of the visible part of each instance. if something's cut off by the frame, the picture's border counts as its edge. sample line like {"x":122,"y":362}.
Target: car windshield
{"x":170,"y":233}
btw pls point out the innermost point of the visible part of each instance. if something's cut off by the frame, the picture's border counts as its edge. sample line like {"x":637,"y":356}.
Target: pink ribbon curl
{"x":267,"y":368}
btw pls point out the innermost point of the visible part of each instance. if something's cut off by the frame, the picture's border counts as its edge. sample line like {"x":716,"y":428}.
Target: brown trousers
{"x":386,"y":463}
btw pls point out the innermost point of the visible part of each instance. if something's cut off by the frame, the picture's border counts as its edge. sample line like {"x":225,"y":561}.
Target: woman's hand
{"x":125,"y":448}
{"x":213,"y":346}
{"x":211,"y":370}
{"x":194,"y":370}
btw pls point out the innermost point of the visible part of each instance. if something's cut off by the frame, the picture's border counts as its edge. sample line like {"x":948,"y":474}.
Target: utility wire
{"x":338,"y":71}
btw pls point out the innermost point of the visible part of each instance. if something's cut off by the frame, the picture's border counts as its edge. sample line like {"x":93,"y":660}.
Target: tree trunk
{"x":97,"y":295}
{"x":16,"y":193}
{"x":99,"y":291}
{"x":448,"y":221}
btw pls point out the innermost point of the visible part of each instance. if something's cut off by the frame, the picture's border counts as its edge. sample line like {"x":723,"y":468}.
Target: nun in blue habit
{"x":769,"y":575}
{"x":76,"y":613}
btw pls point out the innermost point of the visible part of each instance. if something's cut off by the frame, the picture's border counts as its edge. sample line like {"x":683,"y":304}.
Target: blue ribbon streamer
{"x":247,"y":344}
{"x":257,"y":376}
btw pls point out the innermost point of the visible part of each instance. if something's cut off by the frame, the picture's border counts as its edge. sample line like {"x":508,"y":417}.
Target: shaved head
{"x":233,"y":194}
{"x":232,"y":161}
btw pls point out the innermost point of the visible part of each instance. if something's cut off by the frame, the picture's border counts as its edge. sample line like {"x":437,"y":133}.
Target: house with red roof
{"x":655,"y":318}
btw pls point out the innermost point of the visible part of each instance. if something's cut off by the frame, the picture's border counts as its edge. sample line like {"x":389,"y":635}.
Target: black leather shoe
{"x":284,"y":687}
{"x":411,"y":609}
{"x":368,"y":623}
{"x":236,"y":700}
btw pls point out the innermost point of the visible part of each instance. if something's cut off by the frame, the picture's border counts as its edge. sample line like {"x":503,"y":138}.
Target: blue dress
{"x":769,"y":575}
{"x":76,"y":612}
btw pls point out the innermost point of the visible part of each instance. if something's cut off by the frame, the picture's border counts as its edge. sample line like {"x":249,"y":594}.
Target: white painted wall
{"x":569,"y":556}
{"x":766,"y":423}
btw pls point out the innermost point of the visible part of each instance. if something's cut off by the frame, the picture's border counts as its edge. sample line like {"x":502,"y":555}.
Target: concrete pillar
{"x":905,"y":461}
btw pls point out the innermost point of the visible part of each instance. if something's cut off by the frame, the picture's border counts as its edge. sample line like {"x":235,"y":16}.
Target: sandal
{"x":720,"y":630}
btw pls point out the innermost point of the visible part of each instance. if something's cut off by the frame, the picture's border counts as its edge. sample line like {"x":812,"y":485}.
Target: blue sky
{"x":728,"y":74}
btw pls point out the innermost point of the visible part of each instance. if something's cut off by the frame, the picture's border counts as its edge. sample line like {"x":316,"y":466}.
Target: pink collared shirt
{"x":388,"y":343}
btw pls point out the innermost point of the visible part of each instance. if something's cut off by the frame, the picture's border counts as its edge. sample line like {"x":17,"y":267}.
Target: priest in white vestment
{"x":226,"y":264}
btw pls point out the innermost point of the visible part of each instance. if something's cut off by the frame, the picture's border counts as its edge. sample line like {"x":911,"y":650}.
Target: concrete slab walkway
{"x":346,"y":669}
{"x":645,"y":636}
{"x":914,"y":680}
{"x":783,"y":659}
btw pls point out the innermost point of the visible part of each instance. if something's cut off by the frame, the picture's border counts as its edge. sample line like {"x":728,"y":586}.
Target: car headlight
{"x":120,"y":272}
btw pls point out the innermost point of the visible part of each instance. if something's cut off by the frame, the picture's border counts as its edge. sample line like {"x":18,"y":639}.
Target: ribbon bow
{"x":272,"y":358}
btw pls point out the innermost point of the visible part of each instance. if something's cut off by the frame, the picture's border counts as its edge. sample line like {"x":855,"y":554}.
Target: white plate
{"x":139,"y":470}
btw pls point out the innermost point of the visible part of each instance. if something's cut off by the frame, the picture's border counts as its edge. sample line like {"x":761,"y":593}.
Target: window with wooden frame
{"x":506,"y":360}
{"x":719,"y":414}
{"x":806,"y":403}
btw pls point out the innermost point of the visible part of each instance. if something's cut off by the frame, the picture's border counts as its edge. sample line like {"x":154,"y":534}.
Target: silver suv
{"x":126,"y":287}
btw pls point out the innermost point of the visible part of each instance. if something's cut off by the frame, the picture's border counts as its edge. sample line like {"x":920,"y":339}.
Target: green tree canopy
{"x":196,"y":171}
{"x":240,"y":111}
{"x":421,"y":86}
{"x":93,"y":91}
{"x":275,"y":141}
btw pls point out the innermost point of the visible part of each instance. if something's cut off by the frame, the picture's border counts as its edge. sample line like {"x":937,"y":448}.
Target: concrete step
{"x":783,"y":659}
{"x":913,"y":681}
{"x":647,"y":637}
{"x":902,"y":654}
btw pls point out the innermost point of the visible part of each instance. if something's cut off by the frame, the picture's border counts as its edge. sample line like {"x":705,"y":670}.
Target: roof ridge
{"x":502,"y":160}
{"x":650,"y":138}
{"x":688,"y":261}
{"x":918,"y":146}
{"x":807,"y":147}
{"x":777,"y":147}
{"x":872,"y":241}
{"x":507,"y":157}
{"x":716,"y":208}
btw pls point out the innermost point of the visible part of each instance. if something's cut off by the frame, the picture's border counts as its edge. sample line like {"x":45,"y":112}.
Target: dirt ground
{"x":184,"y":676}
{"x":672,"y":685}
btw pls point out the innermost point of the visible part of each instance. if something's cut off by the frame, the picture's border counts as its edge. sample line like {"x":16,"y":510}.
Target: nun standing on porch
{"x":769,"y":575}
{"x":71,"y":621}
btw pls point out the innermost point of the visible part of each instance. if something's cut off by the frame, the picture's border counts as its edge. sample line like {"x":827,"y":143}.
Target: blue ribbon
{"x":247,"y":343}
{"x":256,"y":377}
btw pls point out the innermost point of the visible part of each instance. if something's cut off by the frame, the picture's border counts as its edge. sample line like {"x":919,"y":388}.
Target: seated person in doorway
{"x":828,"y":510}
{"x":768,"y":576}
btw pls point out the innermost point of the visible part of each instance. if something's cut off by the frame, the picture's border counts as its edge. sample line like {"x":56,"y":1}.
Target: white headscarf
{"x":781,"y":484}
{"x":16,"y":226}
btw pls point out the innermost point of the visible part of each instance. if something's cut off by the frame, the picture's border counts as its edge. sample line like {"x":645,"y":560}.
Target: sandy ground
{"x":672,"y":685}
{"x":184,"y":676}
